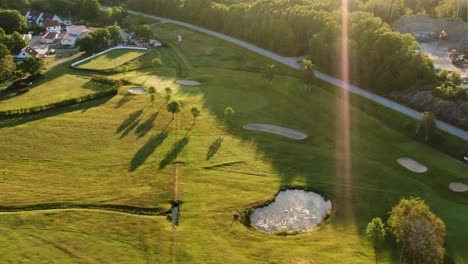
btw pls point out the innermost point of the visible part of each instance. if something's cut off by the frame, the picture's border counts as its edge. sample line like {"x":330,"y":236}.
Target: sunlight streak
{"x":344,"y":120}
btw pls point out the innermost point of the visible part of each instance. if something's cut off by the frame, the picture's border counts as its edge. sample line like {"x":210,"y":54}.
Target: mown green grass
{"x":116,"y":152}
{"x":111,"y":59}
{"x":54,"y":90}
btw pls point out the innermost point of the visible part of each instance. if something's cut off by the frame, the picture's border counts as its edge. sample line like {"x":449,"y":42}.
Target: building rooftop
{"x":50,"y":35}
{"x":51,"y":23}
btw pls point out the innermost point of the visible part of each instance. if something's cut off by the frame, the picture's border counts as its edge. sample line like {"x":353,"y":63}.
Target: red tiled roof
{"x":70,"y":37}
{"x":48,"y":16}
{"x":73,"y":28}
{"x":51,"y":23}
{"x":50,"y":35}
{"x":30,"y":51}
{"x":34,"y":14}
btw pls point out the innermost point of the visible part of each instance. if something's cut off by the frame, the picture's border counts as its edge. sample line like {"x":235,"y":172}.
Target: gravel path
{"x":291,"y":62}
{"x":278,"y":130}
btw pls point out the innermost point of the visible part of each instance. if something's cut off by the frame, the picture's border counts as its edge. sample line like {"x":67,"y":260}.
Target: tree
{"x":173,"y":107}
{"x":95,"y":41}
{"x":195,"y":113}
{"x":168,"y":90}
{"x":428,"y":122}
{"x":8,"y":67}
{"x":375,"y":233}
{"x":115,"y":34}
{"x":144,"y":32}
{"x":90,"y":9}
{"x":156,"y":62}
{"x":229,"y":114}
{"x":16,"y":43}
{"x":307,"y":73}
{"x":269,"y":73}
{"x":152,"y":91}
{"x":12,"y":20}
{"x":420,"y":231}
{"x":32,"y":65}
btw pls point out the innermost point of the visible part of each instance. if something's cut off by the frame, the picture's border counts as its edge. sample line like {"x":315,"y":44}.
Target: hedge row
{"x":107,"y":207}
{"x":71,"y":101}
{"x":114,"y":83}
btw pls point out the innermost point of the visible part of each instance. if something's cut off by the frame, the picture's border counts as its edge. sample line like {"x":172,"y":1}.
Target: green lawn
{"x":111,"y":59}
{"x":122,"y":152}
{"x":53,"y":90}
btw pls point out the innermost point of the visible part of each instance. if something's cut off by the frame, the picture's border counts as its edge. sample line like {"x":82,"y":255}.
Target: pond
{"x":292,"y":209}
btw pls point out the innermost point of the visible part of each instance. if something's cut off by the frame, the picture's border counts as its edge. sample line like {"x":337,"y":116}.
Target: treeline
{"x":378,"y":57}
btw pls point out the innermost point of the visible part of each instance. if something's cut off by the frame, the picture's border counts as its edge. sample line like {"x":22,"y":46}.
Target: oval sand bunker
{"x":458,"y":187}
{"x":412,"y":165}
{"x":137,"y":90}
{"x":278,"y":130}
{"x":188,"y":83}
{"x":292,"y":209}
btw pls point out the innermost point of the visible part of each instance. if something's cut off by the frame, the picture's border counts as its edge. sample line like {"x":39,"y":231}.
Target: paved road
{"x":292,"y":62}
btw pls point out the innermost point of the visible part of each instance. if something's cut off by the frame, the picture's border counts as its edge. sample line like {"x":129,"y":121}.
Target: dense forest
{"x":378,"y":57}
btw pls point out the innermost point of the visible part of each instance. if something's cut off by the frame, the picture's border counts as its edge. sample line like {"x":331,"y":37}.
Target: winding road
{"x":292,"y":62}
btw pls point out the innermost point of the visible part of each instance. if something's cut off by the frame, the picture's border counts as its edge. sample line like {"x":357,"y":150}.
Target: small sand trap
{"x":188,"y":83}
{"x":283,"y":131}
{"x":412,"y":165}
{"x":137,"y":90}
{"x":458,"y":187}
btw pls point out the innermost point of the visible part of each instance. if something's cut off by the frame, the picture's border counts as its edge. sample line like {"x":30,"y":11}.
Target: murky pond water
{"x":292,"y":209}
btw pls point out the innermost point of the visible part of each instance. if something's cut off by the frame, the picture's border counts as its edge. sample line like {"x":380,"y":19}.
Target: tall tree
{"x":16,"y":43}
{"x":269,"y":73}
{"x":115,"y":34}
{"x":420,"y":231}
{"x":428,"y":123}
{"x":144,"y":32}
{"x":173,"y":107}
{"x":375,"y":233}
{"x":195,"y":113}
{"x":32,"y":65}
{"x":90,"y":9}
{"x":229,"y":114}
{"x":12,"y":20}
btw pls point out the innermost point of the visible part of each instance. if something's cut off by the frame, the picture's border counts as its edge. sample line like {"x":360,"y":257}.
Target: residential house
{"x":26,"y":52}
{"x":155,"y":43}
{"x":34,"y":17}
{"x":52,"y":26}
{"x":74,"y":33}
{"x":49,"y":38}
{"x":27,"y":37}
{"x":42,"y":51}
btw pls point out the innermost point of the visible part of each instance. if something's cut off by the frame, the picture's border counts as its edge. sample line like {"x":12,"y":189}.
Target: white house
{"x":76,"y":30}
{"x":49,"y":38}
{"x":52,"y":26}
{"x":49,"y":17}
{"x":74,"y":33}
{"x":69,"y":40}
{"x":26,"y":52}
{"x":155,"y":43}
{"x":27,"y":37}
{"x":42,"y":51}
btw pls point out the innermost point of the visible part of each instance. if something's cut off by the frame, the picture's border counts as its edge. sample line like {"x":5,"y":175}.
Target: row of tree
{"x":412,"y":224}
{"x":380,"y":59}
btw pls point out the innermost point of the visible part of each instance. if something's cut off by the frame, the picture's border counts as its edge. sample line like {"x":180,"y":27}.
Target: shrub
{"x":105,"y":80}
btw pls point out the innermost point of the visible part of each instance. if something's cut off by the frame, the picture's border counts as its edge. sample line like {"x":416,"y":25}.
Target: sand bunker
{"x":412,"y":165}
{"x":283,"y":131}
{"x":188,"y":83}
{"x":458,"y":187}
{"x":137,"y":90}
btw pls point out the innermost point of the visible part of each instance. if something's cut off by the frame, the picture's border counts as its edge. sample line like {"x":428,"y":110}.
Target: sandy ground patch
{"x":137,"y":90}
{"x":188,"y":83}
{"x":412,"y":165}
{"x":458,"y":187}
{"x":283,"y":131}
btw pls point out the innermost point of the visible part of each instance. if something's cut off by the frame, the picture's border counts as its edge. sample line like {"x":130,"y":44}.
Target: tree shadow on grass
{"x":174,"y":152}
{"x":144,"y":152}
{"x":129,"y":121}
{"x":145,"y":127}
{"x":215,"y":146}
{"x":125,"y":99}
{"x":129,"y":129}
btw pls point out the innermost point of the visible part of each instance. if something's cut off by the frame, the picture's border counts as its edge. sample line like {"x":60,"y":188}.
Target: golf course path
{"x":292,"y":62}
